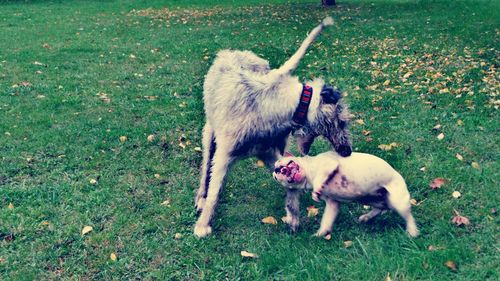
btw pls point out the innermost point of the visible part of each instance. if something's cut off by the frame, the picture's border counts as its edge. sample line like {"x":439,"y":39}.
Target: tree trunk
{"x":328,"y":2}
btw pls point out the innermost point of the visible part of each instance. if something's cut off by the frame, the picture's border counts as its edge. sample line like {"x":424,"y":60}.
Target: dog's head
{"x":289,"y":173}
{"x":331,"y":122}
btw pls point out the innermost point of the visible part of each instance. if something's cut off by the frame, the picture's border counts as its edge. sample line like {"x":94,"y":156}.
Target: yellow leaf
{"x":246,"y":254}
{"x":312,"y":211}
{"x":166,"y":203}
{"x":93,"y":181}
{"x":456,"y":194}
{"x":86,"y":229}
{"x":460,"y":122}
{"x":387,"y":82}
{"x":387,"y":147}
{"x":475,"y":165}
{"x":347,"y":243}
{"x":123,"y":139}
{"x":459,"y":157}
{"x":388,"y":277}
{"x":451,"y":265}
{"x":151,"y":138}
{"x":260,"y":163}
{"x":113,"y":257}
{"x":198,"y":149}
{"x":440,"y":136}
{"x":178,"y":236}
{"x":11,"y":206}
{"x":360,"y":121}
{"x":413,"y":202}
{"x":269,"y":220}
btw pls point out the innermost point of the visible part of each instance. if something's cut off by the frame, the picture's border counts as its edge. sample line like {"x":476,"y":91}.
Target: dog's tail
{"x":292,"y":63}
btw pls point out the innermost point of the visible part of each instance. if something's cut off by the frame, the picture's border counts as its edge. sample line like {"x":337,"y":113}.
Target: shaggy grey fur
{"x":249,"y":109}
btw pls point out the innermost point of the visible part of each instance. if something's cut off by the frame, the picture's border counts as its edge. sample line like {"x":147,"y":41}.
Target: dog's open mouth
{"x":290,"y":173}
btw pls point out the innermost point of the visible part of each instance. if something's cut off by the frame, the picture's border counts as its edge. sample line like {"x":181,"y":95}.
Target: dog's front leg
{"x":329,"y":216}
{"x":292,"y":208}
{"x":220,"y":165}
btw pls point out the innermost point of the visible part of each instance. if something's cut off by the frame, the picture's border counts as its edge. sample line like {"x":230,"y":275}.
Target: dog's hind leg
{"x":209,"y":147}
{"x":220,"y":164}
{"x":292,"y":207}
{"x":399,"y":200}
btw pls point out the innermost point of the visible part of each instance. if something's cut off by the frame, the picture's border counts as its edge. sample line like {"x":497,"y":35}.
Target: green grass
{"x":57,"y":133}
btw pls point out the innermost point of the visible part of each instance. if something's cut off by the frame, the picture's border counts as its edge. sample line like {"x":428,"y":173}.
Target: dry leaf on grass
{"x":347,"y":243}
{"x":475,"y":165}
{"x":178,"y":236}
{"x":123,"y":139}
{"x":387,"y":147}
{"x":269,"y":220}
{"x":312,"y":211}
{"x":151,"y":138}
{"x":456,"y":194}
{"x":113,"y":257}
{"x":440,"y":136}
{"x":459,"y":157}
{"x":10,"y":206}
{"x":451,"y":265}
{"x":327,"y":237}
{"x":86,"y":229}
{"x":260,"y":163}
{"x":437,"y":183}
{"x":460,"y":220}
{"x":246,"y":254}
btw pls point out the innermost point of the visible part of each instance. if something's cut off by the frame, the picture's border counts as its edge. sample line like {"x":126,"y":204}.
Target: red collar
{"x":300,"y":115}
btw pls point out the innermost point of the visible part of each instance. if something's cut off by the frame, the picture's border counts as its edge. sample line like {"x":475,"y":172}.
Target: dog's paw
{"x":412,"y":231}
{"x":292,"y":222}
{"x":200,"y":203}
{"x":202,"y":230}
{"x":321,"y":233}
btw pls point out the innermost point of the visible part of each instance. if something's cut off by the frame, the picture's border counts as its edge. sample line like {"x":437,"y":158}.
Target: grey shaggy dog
{"x":249,"y":110}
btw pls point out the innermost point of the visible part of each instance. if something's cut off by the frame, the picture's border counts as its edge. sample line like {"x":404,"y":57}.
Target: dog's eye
{"x":277,"y":170}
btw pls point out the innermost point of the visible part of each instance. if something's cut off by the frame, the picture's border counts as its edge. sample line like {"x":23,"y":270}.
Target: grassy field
{"x":75,"y":76}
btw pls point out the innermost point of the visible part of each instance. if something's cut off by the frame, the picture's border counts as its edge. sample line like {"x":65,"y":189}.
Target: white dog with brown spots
{"x":361,"y":177}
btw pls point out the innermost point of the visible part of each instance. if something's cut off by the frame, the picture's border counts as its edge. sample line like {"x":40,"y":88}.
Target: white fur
{"x":364,"y":175}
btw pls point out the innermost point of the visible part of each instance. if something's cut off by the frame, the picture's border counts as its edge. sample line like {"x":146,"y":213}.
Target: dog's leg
{"x":292,"y":209}
{"x":370,"y":215}
{"x":208,"y":154}
{"x":220,"y":165}
{"x":399,"y":200}
{"x":329,"y":216}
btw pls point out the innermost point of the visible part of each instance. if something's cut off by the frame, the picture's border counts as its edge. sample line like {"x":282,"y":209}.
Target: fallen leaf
{"x":166,"y":203}
{"x":475,"y":165}
{"x":45,"y":223}
{"x":86,"y":229}
{"x":312,"y":211}
{"x":459,"y":220}
{"x":113,"y":257}
{"x":366,"y":132}
{"x":178,"y":236}
{"x":269,"y":220}
{"x":93,"y":181}
{"x":387,"y":147}
{"x":328,"y":237}
{"x":440,"y":136}
{"x":157,"y":176}
{"x":198,"y":149}
{"x":10,"y":206}
{"x":360,"y":121}
{"x":437,"y":127}
{"x":246,"y":254}
{"x":388,"y":277}
{"x":123,"y":139}
{"x":433,"y":248}
{"x":347,"y":243}
{"x":451,"y":265}
{"x":408,"y":74}
{"x":459,"y":157}
{"x":387,"y":82}
{"x":151,"y":138}
{"x":437,"y":183}
{"x":260,"y":163}
{"x":413,"y":202}
{"x":460,"y":122}
{"x":423,"y":169}
{"x":456,"y":194}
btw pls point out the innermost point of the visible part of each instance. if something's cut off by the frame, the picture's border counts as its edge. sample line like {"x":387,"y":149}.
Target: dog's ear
{"x":330,"y":95}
